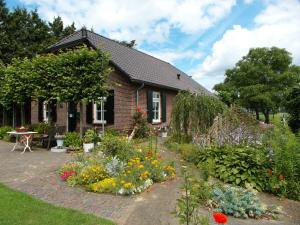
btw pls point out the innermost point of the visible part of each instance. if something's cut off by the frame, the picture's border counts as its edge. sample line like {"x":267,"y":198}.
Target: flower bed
{"x":113,"y":173}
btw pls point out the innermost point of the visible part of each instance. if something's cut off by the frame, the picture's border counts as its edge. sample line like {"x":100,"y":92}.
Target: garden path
{"x":35,"y":173}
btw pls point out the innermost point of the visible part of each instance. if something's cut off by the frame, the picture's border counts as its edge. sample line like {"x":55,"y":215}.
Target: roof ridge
{"x":66,"y":37}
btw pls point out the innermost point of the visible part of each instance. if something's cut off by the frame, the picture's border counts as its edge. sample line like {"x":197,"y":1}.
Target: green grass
{"x":17,"y":208}
{"x":273,"y":116}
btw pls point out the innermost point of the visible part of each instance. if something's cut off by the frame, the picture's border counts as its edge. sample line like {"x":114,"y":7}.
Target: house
{"x":138,"y":79}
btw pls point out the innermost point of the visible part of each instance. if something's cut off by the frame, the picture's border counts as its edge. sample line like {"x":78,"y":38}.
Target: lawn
{"x":18,"y":208}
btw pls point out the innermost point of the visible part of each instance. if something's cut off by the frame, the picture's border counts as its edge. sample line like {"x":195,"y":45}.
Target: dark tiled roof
{"x":139,"y":66}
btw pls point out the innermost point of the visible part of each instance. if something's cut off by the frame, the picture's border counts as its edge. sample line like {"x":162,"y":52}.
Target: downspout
{"x":137,"y":94}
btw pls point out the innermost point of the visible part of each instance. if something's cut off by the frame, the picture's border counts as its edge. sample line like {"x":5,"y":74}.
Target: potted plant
{"x":88,"y":140}
{"x":164,"y":131}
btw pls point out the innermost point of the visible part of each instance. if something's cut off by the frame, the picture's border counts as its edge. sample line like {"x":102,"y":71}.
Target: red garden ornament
{"x":220,"y":218}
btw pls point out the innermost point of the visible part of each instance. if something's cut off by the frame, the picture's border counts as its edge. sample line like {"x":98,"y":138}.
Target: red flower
{"x":220,"y":218}
{"x":67,"y":174}
{"x":139,"y":109}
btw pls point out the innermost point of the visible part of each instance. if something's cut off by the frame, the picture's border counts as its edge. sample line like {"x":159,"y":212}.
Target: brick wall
{"x":124,"y":104}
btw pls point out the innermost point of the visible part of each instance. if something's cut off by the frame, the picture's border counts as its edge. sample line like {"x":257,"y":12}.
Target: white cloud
{"x":146,"y":20}
{"x":277,"y":25}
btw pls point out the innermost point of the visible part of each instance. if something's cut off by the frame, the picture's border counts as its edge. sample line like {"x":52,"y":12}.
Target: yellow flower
{"x":128,"y":185}
{"x":154,"y":162}
{"x":141,"y":166}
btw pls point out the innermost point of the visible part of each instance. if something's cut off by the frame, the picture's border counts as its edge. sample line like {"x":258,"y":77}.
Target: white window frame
{"x":156,"y":100}
{"x":45,"y":112}
{"x":102,"y":110}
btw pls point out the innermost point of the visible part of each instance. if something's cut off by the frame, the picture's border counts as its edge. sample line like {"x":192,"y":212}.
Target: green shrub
{"x":239,"y":165}
{"x":239,"y":202}
{"x":201,"y":190}
{"x":90,"y":136}
{"x":73,"y":140}
{"x":140,"y":121}
{"x":41,"y":128}
{"x":284,"y":166}
{"x":3,"y":132}
{"x":112,"y":145}
{"x":189,"y":152}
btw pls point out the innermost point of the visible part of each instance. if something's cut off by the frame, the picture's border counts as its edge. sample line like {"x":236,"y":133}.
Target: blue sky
{"x":201,"y":37}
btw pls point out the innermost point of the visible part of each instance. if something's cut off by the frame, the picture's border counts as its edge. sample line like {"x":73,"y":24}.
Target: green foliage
{"x":239,"y":165}
{"x":284,"y":161}
{"x":202,"y":190}
{"x":189,"y":152}
{"x":93,"y":174}
{"x":90,"y":136}
{"x":187,"y":205}
{"x":293,"y":108}
{"x":24,"y":34}
{"x":193,"y":114}
{"x":140,"y":122}
{"x":73,"y":140}
{"x":239,"y":202}
{"x":4,"y":130}
{"x":41,"y":128}
{"x":257,"y":78}
{"x":117,"y":146}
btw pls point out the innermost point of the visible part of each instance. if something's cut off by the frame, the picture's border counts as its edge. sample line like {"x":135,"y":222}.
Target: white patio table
{"x":26,"y":134}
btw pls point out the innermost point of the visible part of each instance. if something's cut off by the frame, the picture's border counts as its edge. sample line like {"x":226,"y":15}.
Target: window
{"x":45,"y":112}
{"x":156,"y":107}
{"x":99,"y":111}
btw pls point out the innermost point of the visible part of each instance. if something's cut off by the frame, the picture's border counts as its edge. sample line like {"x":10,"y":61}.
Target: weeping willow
{"x":194,"y":114}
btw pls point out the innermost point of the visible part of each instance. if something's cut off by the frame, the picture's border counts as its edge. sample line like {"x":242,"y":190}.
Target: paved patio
{"x":35,"y":173}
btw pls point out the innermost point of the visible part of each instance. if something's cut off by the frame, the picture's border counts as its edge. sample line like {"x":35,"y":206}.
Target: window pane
{"x":99,"y":115}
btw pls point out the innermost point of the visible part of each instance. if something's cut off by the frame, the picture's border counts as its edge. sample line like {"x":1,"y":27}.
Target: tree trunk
{"x":4,"y":121}
{"x":67,"y":119}
{"x":81,"y":119}
{"x":22,"y":115}
{"x":257,"y":114}
{"x":267,"y":116}
{"x":50,"y":125}
{"x":14,"y":116}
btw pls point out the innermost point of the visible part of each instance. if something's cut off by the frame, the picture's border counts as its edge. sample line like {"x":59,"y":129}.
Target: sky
{"x":201,"y":37}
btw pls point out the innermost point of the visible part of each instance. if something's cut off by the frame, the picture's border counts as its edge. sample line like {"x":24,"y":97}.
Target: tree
{"x":3,"y":35}
{"x":17,"y":87}
{"x":78,"y":75}
{"x":57,"y":29}
{"x":260,"y":80}
{"x":27,"y":35}
{"x":24,"y":34}
{"x":193,"y":114}
{"x":293,"y":108}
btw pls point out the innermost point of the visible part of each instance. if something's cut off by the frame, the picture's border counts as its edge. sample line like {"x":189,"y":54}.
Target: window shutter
{"x":109,"y":108}
{"x":150,"y":106}
{"x":53,"y":111}
{"x":40,"y":110}
{"x":89,"y":113}
{"x":163,"y":107}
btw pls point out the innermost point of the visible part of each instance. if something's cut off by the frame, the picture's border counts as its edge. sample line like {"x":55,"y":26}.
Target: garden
{"x":231,"y":157}
{"x":117,"y":166}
